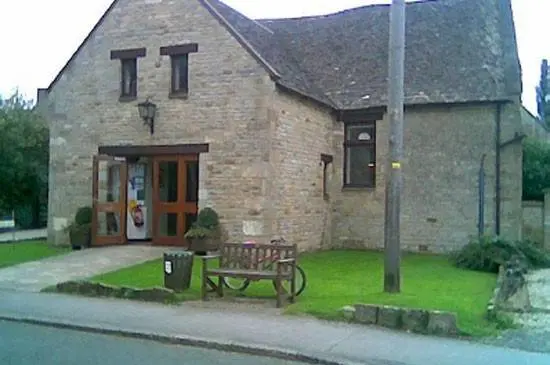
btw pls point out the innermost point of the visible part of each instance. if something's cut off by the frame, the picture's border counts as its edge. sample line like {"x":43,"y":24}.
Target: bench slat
{"x":246,"y":274}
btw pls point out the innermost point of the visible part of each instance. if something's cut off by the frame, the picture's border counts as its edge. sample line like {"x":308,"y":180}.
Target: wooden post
{"x":392,"y":272}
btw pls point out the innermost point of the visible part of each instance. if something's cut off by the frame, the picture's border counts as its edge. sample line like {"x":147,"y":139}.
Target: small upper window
{"x":128,"y":70}
{"x":180,"y":74}
{"x":129,"y":78}
{"x":179,"y":57}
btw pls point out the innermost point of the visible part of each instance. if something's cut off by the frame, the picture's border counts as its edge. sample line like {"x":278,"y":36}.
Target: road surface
{"x":328,"y":340}
{"x":24,"y":344}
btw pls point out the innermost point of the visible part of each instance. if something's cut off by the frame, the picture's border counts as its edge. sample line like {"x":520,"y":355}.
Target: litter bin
{"x":178,"y":268}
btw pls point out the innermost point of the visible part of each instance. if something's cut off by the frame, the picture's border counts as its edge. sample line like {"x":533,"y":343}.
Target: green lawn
{"x":339,"y":278}
{"x":16,"y":253}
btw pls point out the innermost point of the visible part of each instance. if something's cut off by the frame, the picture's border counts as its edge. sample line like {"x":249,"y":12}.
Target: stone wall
{"x":302,"y":131}
{"x":443,"y":150}
{"x":533,"y":221}
{"x":536,"y":220}
{"x":226,"y":107}
{"x":533,"y":127}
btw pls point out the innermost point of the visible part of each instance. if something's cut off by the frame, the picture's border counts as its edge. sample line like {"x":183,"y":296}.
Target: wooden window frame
{"x":176,"y":52}
{"x":125,"y":56}
{"x":176,"y":88}
{"x":351,"y":144}
{"x":326,"y":160}
{"x":132,"y":95}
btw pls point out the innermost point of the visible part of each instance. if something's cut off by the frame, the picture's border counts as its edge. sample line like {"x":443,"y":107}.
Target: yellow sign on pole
{"x":396,"y":165}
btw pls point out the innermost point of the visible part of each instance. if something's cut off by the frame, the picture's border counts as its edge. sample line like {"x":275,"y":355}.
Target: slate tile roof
{"x":456,"y":51}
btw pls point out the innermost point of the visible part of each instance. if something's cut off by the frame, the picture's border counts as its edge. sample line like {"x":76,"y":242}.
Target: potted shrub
{"x":205,"y":234}
{"x":80,"y":230}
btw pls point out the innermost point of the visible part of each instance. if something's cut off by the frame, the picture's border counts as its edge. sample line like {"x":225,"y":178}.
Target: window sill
{"x":366,"y":188}
{"x":127,"y":99}
{"x":178,"y":95}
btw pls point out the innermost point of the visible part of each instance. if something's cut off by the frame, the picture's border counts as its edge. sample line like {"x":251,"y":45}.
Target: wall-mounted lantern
{"x":147,"y":111}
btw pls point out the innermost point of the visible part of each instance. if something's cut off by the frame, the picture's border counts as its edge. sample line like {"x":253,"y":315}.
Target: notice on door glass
{"x":168,"y":267}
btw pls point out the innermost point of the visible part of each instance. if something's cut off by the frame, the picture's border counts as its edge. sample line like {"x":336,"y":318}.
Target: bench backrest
{"x":256,"y":257}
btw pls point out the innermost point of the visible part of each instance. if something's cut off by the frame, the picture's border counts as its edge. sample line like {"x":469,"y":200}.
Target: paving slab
{"x":343,"y":342}
{"x":534,"y":334}
{"x":36,"y":275}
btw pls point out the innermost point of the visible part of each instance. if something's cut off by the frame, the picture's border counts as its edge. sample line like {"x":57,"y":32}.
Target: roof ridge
{"x":343,"y":12}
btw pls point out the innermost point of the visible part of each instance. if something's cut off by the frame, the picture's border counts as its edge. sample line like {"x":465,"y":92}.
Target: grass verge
{"x":340,"y":278}
{"x":25,"y":251}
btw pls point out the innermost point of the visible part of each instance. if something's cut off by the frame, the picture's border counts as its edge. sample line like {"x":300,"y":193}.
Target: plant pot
{"x":200,"y":245}
{"x":80,"y":237}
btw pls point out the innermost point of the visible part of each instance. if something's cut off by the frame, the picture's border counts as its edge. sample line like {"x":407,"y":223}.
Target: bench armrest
{"x":210,"y":257}
{"x":286,"y":261}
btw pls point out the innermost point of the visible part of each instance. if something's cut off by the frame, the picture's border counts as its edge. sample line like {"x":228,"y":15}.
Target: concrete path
{"x":36,"y":275}
{"x":345,"y":343}
{"x":30,"y":234}
{"x":28,"y":344}
{"x":535,"y":332}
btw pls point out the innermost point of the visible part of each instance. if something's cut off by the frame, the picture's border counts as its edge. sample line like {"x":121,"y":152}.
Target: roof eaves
{"x":273,"y":73}
{"x":285,"y":87}
{"x":73,"y":56}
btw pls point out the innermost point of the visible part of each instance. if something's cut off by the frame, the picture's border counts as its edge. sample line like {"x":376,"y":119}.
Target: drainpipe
{"x":481,"y":207}
{"x":498,"y":120}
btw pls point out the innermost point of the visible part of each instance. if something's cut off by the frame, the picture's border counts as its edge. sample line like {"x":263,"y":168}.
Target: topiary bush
{"x":488,"y":253}
{"x":208,"y":218}
{"x":207,"y":225}
{"x":83,"y":216}
{"x":205,"y":233}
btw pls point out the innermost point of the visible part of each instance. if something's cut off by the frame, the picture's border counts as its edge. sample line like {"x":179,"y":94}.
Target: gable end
{"x":242,"y":41}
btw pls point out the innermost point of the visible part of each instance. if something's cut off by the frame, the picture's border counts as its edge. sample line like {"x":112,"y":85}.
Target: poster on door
{"x":137,"y":211}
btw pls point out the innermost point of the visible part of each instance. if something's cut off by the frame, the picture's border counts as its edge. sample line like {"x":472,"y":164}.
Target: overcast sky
{"x":39,"y":36}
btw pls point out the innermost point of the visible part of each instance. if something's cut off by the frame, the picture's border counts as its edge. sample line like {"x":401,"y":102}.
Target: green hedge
{"x":488,"y":253}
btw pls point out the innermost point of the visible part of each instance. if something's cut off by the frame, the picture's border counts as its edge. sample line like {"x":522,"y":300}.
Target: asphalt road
{"x":23,"y":344}
{"x":328,"y":340}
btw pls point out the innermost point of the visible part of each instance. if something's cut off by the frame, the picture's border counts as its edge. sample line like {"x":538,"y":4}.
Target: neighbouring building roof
{"x":456,"y":51}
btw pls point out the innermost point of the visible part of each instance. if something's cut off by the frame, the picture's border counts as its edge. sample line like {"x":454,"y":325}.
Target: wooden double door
{"x":172,"y":183}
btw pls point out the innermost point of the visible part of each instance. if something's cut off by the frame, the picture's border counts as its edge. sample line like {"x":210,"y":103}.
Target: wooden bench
{"x":274,"y":261}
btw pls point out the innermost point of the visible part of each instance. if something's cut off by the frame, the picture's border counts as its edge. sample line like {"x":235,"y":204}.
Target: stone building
{"x":281,"y":125}
{"x":533,"y":126}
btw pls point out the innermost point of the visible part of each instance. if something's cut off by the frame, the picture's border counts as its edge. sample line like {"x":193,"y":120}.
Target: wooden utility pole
{"x":392,"y":263}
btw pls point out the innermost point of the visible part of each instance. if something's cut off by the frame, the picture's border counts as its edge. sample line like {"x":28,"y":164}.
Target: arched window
{"x":360,"y":155}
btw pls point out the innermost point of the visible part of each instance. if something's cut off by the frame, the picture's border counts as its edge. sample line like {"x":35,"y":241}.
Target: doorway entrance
{"x":175,"y":197}
{"x":109,"y":200}
{"x":148,"y":197}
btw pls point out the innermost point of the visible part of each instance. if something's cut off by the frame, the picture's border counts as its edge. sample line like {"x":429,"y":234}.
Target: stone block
{"x":105,"y":290}
{"x":68,"y":287}
{"x":348,"y":312}
{"x":415,"y":320}
{"x":366,"y":314}
{"x":390,"y":317}
{"x":87,"y":288}
{"x":154,"y":295}
{"x":442,"y":323}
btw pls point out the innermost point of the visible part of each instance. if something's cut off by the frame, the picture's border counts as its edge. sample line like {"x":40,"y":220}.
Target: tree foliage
{"x":536,"y":169}
{"x":543,"y":92}
{"x":24,"y":153}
